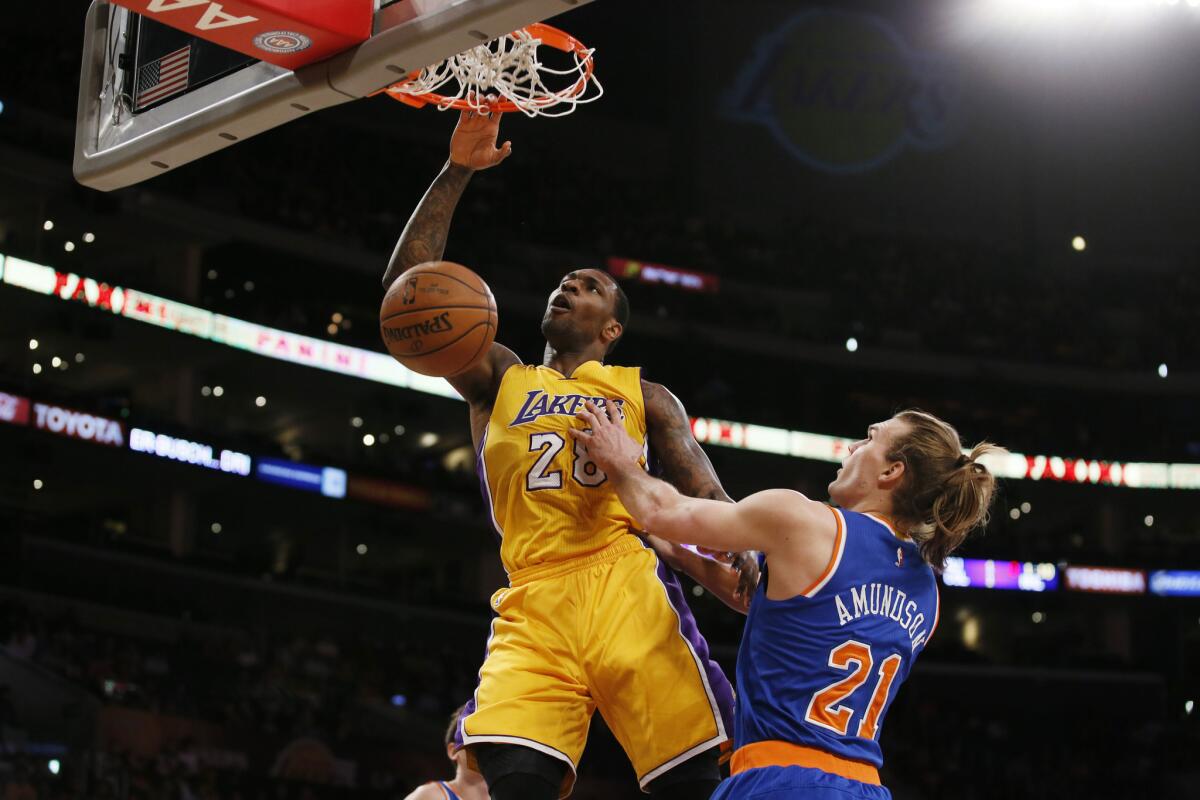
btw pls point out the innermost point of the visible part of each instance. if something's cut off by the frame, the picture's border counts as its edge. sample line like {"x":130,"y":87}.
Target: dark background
{"x":910,"y":176}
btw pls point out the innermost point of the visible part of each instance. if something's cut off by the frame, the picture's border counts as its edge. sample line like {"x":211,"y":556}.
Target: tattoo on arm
{"x":683,"y":463}
{"x":424,"y":237}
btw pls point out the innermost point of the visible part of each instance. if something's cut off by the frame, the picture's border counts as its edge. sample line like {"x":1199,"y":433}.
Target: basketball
{"x":438,"y":319}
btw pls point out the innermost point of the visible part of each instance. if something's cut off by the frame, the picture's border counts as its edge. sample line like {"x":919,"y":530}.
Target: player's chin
{"x":555,"y":327}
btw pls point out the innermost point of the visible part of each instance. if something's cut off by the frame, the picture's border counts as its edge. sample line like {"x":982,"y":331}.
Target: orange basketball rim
{"x":509,"y":71}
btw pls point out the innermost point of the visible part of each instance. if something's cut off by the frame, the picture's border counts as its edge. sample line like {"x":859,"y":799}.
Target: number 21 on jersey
{"x":826,"y":708}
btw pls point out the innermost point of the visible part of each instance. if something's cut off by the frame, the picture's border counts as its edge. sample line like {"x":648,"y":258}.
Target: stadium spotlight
{"x":218,"y":391}
{"x":212,"y":274}
{"x":215,"y":527}
{"x":361,"y":549}
{"x":1026,"y":507}
{"x":37,"y":483}
{"x":331,"y":329}
{"x":55,"y":362}
{"x":1162,"y":370}
{"x":852,"y":344}
{"x":37,"y":369}
{"x":1149,"y":521}
{"x":1079,"y":244}
{"x":248,"y":286}
{"x":697,"y":591}
{"x":399,"y":430}
{"x":428,"y":439}
{"x":54,"y":766}
{"x":1188,"y":705}
{"x":89,"y":237}
{"x":260,"y":401}
{"x":1038,"y":617}
{"x":79,"y":358}
{"x":205,"y":391}
{"x":369,"y":439}
{"x":33,"y":344}
{"x":69,"y":247}
{"x":337,"y":318}
{"x":1014,"y":513}
{"x":48,"y":225}
{"x":356,"y":422}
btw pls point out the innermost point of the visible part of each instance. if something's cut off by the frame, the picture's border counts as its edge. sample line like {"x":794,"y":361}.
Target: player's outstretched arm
{"x":720,"y":579}
{"x":764,"y":521}
{"x":768,"y":521}
{"x":472,"y":148}
{"x":686,"y":466}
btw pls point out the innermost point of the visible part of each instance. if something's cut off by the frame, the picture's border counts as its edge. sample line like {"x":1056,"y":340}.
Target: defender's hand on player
{"x":606,"y":442}
{"x":746,"y":564}
{"x":473,"y":144}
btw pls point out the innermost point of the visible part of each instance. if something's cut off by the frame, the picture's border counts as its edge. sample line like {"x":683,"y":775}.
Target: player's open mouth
{"x":560,"y":303}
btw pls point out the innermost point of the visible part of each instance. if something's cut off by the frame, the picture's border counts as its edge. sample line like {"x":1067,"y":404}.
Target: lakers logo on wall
{"x":843,"y":92}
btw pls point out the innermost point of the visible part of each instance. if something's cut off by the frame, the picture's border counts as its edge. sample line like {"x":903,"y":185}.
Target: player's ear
{"x":450,"y":753}
{"x":892,"y":476}
{"x":611,"y":332}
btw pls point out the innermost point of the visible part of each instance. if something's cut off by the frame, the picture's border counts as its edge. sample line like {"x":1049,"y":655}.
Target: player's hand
{"x":473,"y":144}
{"x":605,"y":439}
{"x":746,"y":564}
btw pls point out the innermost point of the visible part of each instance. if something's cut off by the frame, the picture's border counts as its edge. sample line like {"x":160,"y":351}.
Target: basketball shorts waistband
{"x":554,"y":569}
{"x":785,"y":754}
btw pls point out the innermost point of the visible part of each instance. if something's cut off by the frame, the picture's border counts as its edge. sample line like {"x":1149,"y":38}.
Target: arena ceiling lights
{"x":381,"y":368}
{"x":1065,"y":17}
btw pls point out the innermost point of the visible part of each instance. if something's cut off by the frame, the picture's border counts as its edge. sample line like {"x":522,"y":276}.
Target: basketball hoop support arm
{"x":117,"y":150}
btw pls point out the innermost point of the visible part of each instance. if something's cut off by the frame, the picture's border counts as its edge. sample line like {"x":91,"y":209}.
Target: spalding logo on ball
{"x":438,"y":319}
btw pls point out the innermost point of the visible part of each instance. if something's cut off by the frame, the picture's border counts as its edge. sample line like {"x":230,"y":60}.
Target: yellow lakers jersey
{"x":547,"y":500}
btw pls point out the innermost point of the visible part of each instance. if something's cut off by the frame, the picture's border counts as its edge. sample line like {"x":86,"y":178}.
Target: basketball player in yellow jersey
{"x":591,"y":618}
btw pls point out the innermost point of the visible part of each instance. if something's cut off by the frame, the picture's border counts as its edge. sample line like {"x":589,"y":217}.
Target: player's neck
{"x":468,"y":784}
{"x":880,"y":507}
{"x":567,"y":361}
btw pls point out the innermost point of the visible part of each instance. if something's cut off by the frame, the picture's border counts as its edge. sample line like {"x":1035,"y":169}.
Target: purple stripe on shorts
{"x":722,"y":691}
{"x":467,"y":711}
{"x":483,"y":486}
{"x":469,"y":708}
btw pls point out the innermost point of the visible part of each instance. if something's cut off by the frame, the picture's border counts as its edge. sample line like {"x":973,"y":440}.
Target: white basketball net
{"x":509,"y":69}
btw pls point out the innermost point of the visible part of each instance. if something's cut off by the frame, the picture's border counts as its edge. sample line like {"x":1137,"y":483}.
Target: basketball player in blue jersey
{"x":467,"y":783}
{"x":847,"y":601}
{"x":591,"y":618}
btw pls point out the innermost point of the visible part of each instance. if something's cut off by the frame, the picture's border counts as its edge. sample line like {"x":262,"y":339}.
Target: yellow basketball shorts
{"x":610,"y":631}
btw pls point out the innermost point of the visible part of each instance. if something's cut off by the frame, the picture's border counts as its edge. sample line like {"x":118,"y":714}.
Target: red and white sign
{"x":77,"y":425}
{"x":14,"y":409}
{"x":1107,"y":580}
{"x":657,"y":273}
{"x":287,"y":33}
{"x":69,"y":286}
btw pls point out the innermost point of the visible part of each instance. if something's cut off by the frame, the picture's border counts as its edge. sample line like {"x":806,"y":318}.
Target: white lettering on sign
{"x":189,"y":452}
{"x":65,"y":422}
{"x":214,"y":16}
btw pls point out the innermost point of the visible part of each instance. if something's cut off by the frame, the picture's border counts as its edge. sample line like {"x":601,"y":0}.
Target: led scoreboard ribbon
{"x":382,"y":368}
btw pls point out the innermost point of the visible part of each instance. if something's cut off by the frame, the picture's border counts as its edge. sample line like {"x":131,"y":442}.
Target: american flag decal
{"x":162,"y":78}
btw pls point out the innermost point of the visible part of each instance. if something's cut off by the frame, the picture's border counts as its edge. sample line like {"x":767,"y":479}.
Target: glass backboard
{"x":152,"y":98}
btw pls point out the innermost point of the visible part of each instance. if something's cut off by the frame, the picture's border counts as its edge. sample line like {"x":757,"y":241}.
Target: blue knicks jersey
{"x":821,"y":669}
